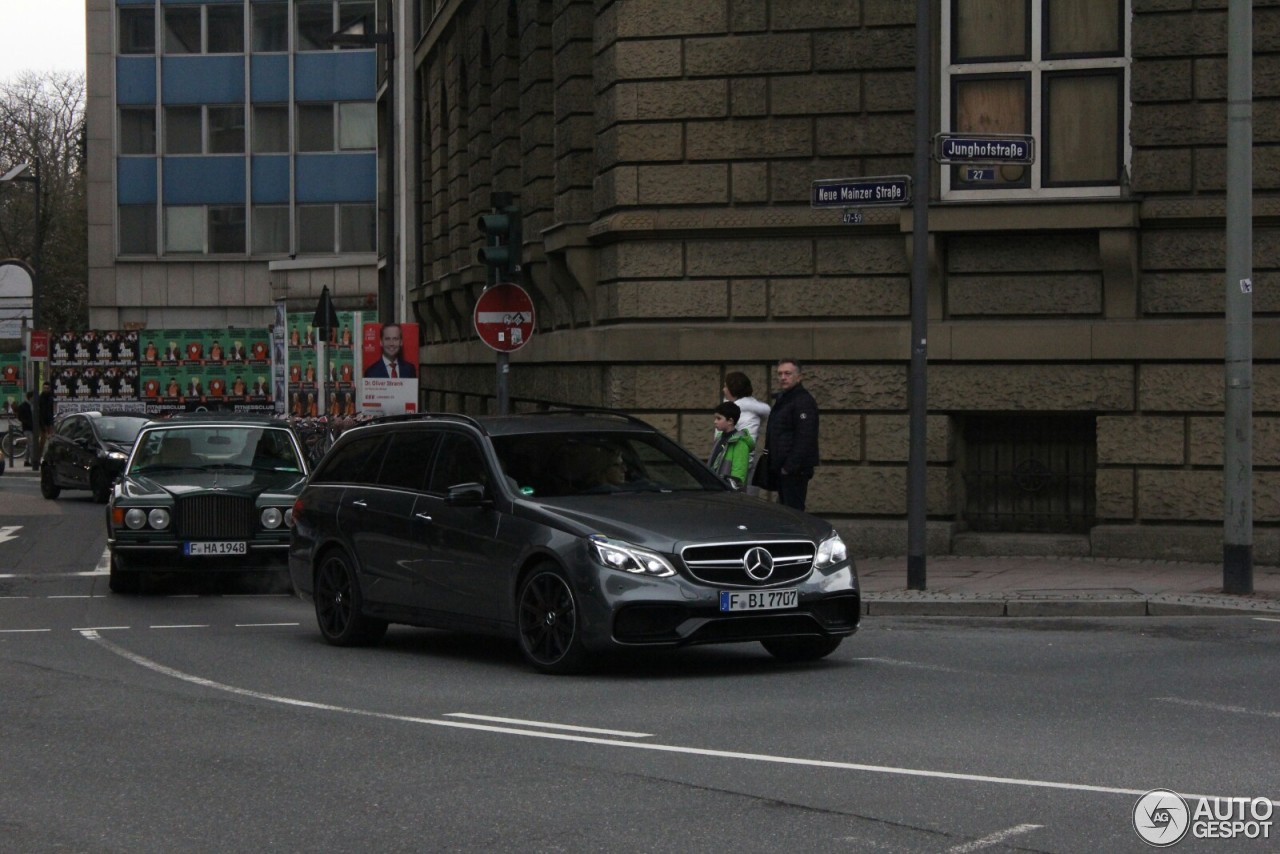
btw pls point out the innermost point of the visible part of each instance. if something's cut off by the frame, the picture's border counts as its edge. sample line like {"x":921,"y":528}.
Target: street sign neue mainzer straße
{"x":858,"y":192}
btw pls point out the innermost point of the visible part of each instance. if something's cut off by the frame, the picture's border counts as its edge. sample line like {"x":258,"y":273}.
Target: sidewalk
{"x":1060,"y":587}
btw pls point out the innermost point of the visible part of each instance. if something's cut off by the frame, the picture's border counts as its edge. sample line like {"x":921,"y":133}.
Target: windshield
{"x":120,"y":429}
{"x":560,"y":464}
{"x":215,"y":447}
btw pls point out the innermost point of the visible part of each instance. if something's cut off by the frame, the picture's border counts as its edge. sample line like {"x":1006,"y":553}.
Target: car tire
{"x":123,"y":581}
{"x":339,"y":603}
{"x":48,"y":486}
{"x":549,"y":628}
{"x":800,"y":649}
{"x":100,"y":485}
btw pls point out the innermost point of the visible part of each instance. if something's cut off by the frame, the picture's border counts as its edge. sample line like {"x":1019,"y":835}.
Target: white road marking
{"x":101,"y":629}
{"x":1268,"y":619}
{"x":142,"y":661}
{"x":184,"y":626}
{"x":74,"y":596}
{"x":1216,"y":707}
{"x":263,"y":625}
{"x":993,"y":839}
{"x":21,"y":631}
{"x":9,"y":532}
{"x":546,"y":725}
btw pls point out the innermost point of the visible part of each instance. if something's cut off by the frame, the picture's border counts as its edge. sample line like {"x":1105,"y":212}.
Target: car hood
{"x":669,"y":521}
{"x":182,"y":483}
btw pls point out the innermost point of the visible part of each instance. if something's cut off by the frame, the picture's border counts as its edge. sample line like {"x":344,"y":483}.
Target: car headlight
{"x":628,"y":558}
{"x":830,"y":551}
{"x":272,"y":517}
{"x":288,"y":517}
{"x":135,"y":518}
{"x":158,"y":518}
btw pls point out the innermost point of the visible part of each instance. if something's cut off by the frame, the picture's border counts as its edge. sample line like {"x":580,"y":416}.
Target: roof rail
{"x":424,"y":416}
{"x":587,"y":410}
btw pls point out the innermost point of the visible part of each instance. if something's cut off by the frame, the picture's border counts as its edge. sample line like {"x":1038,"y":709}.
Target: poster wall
{"x":11,"y":385}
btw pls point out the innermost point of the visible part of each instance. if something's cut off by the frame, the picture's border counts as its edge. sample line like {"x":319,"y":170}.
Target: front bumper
{"x":629,"y":611}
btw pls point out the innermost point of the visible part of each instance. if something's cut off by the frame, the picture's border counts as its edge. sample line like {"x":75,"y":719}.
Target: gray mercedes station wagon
{"x":574,"y":533}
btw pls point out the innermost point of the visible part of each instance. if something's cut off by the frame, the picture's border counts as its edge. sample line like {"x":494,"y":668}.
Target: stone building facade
{"x":662,"y":155}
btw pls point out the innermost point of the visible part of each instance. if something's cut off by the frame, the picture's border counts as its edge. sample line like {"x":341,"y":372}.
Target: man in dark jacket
{"x":792,"y":436}
{"x":44,"y":418}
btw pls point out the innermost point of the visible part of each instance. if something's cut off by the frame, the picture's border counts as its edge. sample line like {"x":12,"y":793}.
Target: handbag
{"x":761,"y":474}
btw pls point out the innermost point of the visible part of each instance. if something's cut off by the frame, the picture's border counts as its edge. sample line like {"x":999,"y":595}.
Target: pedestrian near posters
{"x":389,"y":368}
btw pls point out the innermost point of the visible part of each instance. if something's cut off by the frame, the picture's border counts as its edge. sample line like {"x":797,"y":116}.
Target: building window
{"x":317,"y":20}
{"x":270,"y":129}
{"x":137,"y":31}
{"x":137,"y":229}
{"x":194,"y":229}
{"x":315,"y":127}
{"x":1057,"y":72}
{"x":270,"y":27}
{"x":226,"y":129}
{"x":204,"y":29}
{"x":315,"y":230}
{"x":137,"y":130}
{"x":182,"y":29}
{"x":270,"y":229}
{"x":183,"y":133}
{"x":225,"y":28}
{"x":226,"y":229}
{"x":358,"y":228}
{"x":357,"y":126}
{"x":184,"y":229}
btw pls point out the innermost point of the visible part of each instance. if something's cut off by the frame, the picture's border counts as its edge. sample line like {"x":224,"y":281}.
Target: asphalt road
{"x":189,"y":721}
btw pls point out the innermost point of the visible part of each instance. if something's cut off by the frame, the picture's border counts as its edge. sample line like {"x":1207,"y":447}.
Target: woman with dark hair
{"x":737,"y":389}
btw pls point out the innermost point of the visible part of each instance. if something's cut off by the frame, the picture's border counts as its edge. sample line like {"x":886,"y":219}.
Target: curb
{"x":971,"y":605}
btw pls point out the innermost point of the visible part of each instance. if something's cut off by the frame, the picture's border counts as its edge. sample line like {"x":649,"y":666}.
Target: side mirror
{"x":735,"y":484}
{"x":465,"y":495}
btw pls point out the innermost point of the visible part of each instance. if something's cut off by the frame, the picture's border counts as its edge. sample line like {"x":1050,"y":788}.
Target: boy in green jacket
{"x":731,"y":453}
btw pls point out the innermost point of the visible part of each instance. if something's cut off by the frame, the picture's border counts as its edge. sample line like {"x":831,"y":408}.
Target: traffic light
{"x":501,"y":252}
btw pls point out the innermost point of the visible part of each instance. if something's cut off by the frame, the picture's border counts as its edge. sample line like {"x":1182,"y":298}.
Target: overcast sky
{"x":41,"y":35}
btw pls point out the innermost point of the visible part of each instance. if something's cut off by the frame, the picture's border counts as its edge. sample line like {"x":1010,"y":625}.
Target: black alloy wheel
{"x":339,"y":602}
{"x":800,"y":649}
{"x":550,"y":636}
{"x":48,"y":486}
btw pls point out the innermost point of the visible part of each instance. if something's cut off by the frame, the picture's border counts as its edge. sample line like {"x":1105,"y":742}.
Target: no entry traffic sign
{"x":503,"y":317}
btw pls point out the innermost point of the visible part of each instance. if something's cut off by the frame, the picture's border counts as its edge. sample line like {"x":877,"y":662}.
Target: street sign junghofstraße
{"x":984,"y":149}
{"x":860,"y":192}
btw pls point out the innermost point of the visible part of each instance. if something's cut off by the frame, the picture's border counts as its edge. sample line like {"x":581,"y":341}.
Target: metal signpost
{"x":503,"y":318}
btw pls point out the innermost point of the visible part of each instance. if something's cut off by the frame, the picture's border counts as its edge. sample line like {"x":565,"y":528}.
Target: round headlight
{"x":288,"y":517}
{"x":159,"y":518}
{"x":135,"y":518}
{"x":272,"y":517}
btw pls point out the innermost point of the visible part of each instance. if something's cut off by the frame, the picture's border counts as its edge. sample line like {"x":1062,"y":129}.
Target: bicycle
{"x":14,"y":442}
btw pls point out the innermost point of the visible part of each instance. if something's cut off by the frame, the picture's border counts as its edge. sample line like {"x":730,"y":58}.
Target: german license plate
{"x":758,"y":600}
{"x":219,"y":548}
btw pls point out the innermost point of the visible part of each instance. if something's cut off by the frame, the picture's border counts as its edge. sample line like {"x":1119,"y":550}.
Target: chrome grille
{"x":726,"y":563}
{"x":215,"y":517}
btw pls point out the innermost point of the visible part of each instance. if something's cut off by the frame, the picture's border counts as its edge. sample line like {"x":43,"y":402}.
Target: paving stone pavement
{"x":1060,"y":587}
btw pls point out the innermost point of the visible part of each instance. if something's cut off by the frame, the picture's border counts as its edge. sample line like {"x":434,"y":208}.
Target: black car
{"x":87,"y":450}
{"x":572,"y":533}
{"x":205,"y":493}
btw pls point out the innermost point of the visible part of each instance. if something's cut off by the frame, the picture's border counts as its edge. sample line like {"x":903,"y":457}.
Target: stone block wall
{"x":670,"y":240}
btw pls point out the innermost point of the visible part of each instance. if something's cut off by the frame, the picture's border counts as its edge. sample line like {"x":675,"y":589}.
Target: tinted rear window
{"x":356,"y":461}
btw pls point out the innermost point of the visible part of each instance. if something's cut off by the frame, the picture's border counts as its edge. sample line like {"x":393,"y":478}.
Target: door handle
{"x":359,"y":502}
{"x":423,"y":516}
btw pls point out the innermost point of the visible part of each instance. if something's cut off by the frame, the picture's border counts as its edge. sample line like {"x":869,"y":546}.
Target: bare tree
{"x":42,"y":123}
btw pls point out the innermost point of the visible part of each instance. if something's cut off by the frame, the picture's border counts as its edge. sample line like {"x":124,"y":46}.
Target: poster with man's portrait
{"x":389,"y":368}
